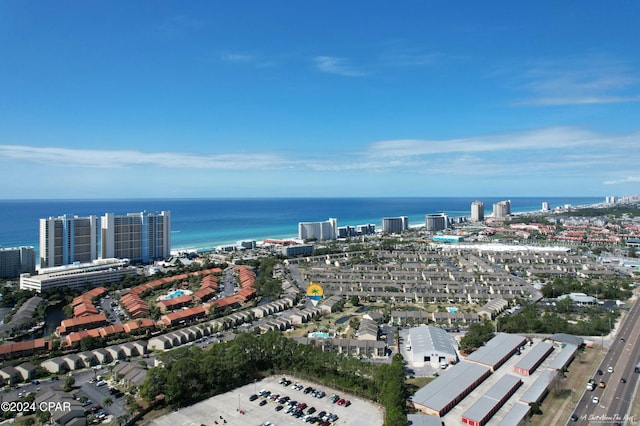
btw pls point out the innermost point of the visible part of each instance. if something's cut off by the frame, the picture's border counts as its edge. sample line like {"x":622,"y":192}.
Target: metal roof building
{"x":423,"y":420}
{"x":579,"y":298}
{"x":497,"y":350}
{"x":516,"y":415}
{"x":563,"y":359}
{"x":443,"y":393}
{"x":431,"y":345}
{"x":567,"y":338}
{"x":488,"y":404}
{"x":539,"y":388}
{"x":533,"y":358}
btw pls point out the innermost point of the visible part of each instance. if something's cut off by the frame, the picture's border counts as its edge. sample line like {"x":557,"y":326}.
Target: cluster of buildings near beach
{"x":76,"y":251}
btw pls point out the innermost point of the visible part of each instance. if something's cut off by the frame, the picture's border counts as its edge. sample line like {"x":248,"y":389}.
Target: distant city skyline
{"x":210,"y":100}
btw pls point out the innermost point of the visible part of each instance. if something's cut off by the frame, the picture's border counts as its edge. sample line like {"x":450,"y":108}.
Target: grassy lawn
{"x":557,"y":409}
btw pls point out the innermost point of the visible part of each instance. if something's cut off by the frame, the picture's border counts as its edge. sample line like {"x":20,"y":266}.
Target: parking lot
{"x":236,"y":408}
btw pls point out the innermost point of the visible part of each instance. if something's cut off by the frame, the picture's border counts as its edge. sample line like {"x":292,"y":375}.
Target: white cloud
{"x":335,"y":65}
{"x":247,"y":59}
{"x":579,"y":81}
{"x":561,"y":151}
{"x":590,"y":100}
{"x":628,"y":179}
{"x":549,"y":138}
{"x":65,"y":157}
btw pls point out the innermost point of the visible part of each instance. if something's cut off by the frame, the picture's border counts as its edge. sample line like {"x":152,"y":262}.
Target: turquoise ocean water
{"x":207,"y":223}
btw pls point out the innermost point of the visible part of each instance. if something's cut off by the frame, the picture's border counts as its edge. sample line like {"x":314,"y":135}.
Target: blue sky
{"x":124,"y":99}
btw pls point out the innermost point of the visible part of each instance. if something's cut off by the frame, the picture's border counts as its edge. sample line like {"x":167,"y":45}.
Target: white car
{"x":610,"y":370}
{"x":595,"y":400}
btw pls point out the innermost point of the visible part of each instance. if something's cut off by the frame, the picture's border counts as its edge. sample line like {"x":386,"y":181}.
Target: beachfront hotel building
{"x":17,"y":260}
{"x":68,"y":239}
{"x":97,"y":273}
{"x":327,"y":230}
{"x":477,"y":211}
{"x":139,"y":237}
{"x":502,"y":209}
{"x":436,"y":222}
{"x":394,"y":225}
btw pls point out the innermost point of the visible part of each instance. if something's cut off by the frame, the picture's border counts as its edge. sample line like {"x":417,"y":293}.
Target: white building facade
{"x":327,"y":230}
{"x":139,"y":237}
{"x":68,"y":239}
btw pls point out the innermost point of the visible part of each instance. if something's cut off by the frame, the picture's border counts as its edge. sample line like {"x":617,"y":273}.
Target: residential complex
{"x":501,"y":209}
{"x":395,"y":225}
{"x":436,"y":222}
{"x":68,"y":239}
{"x":327,"y":230}
{"x":17,"y":260}
{"x":139,"y":237}
{"x":92,"y":274}
{"x":477,"y":211}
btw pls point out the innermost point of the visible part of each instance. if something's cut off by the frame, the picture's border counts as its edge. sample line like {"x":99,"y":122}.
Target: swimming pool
{"x":177,"y":293}
{"x":318,"y":335}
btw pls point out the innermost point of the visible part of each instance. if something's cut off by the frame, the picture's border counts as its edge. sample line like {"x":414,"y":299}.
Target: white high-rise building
{"x":477,"y":211}
{"x":139,"y":237}
{"x":545,"y":206}
{"x":17,"y":260}
{"x":327,"y":230}
{"x":68,"y":239}
{"x":436,"y":222}
{"x":502,"y":209}
{"x":395,"y":225}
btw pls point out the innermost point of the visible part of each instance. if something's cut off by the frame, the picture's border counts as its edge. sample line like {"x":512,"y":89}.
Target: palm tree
{"x":107,"y":402}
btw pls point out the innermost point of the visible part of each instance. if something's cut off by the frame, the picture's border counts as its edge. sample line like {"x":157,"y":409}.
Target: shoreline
{"x":204,"y":225}
{"x":213,"y":246}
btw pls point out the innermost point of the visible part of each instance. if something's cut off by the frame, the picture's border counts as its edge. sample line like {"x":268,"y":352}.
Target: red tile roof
{"x":74,"y":324}
{"x":16,"y":348}
{"x":84,"y":309}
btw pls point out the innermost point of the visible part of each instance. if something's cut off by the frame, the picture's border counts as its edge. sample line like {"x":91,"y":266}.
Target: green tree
{"x":68,"y":383}
{"x":107,"y":402}
{"x":477,"y":336}
{"x":155,"y":383}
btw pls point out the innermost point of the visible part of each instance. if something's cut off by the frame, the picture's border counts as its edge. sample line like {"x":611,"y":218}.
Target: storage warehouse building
{"x":488,"y":404}
{"x":443,"y":393}
{"x":533,"y":358}
{"x":497,"y":350}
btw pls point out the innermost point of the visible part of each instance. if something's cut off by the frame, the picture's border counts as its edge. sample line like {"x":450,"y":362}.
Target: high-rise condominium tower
{"x":436,"y":222}
{"x":139,"y":237}
{"x":17,"y":260}
{"x":395,"y":225}
{"x":477,"y":211}
{"x":68,"y":239}
{"x":327,"y":230}
{"x":502,"y":209}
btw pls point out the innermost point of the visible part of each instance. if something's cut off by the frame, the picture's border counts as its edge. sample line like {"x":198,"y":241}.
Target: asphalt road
{"x":615,"y":399}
